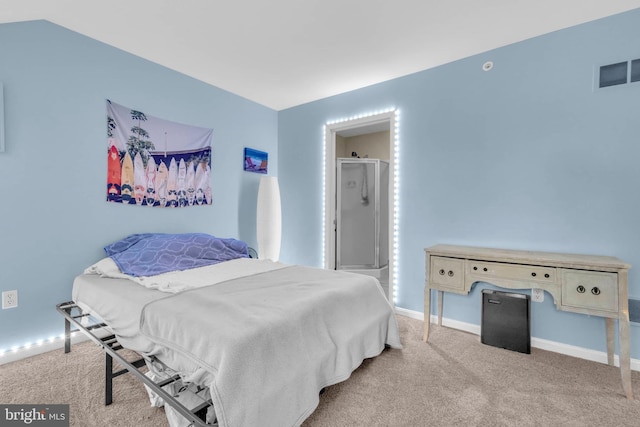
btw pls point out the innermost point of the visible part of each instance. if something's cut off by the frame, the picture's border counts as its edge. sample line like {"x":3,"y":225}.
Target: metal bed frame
{"x":73,"y":314}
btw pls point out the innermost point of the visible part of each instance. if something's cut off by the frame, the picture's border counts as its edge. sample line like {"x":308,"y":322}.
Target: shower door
{"x":362,"y":214}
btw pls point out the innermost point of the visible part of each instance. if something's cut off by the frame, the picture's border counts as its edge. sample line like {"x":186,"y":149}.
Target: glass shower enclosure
{"x":362,"y":217}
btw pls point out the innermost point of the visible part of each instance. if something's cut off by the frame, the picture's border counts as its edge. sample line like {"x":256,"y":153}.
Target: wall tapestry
{"x":155,"y":162}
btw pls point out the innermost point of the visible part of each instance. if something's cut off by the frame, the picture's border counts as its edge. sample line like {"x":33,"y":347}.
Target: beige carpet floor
{"x":452,"y":381}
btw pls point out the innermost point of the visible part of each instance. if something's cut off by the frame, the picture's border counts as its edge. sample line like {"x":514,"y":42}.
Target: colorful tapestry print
{"x":155,"y":162}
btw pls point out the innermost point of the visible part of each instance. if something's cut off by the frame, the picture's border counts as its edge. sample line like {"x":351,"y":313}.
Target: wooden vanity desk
{"x":587,"y":284}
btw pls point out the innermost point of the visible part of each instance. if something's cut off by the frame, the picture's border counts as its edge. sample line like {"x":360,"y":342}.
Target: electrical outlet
{"x":9,"y":299}
{"x":537,"y":295}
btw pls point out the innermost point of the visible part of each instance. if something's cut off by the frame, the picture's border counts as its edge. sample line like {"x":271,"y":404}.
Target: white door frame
{"x":331,"y":129}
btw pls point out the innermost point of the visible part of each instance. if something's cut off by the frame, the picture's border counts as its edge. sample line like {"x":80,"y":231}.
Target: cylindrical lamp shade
{"x":269,"y":219}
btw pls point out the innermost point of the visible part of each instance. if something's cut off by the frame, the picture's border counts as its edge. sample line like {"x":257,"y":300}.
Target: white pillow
{"x":106,"y":267}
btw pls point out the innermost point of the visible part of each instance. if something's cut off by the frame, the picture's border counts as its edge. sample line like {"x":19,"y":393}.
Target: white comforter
{"x":178,"y":281}
{"x":268,"y":342}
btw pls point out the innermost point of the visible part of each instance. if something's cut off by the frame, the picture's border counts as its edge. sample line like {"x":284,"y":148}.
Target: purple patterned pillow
{"x":156,"y":253}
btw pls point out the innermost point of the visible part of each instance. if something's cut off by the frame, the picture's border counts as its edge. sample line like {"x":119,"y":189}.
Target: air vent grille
{"x":619,"y":73}
{"x":635,"y":70}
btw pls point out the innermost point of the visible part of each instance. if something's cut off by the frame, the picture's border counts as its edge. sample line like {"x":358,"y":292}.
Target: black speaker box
{"x":506,"y":320}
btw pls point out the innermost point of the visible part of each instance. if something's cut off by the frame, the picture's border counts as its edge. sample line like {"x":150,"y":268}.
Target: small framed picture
{"x":255,"y":160}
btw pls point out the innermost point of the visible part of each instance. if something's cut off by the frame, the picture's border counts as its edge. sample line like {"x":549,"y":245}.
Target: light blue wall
{"x":54,"y":219}
{"x":526,"y":156}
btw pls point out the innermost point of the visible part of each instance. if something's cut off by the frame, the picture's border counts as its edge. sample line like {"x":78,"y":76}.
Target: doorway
{"x":372,"y":138}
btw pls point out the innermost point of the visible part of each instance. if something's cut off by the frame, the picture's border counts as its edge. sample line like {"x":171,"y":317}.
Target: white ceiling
{"x":283,"y":53}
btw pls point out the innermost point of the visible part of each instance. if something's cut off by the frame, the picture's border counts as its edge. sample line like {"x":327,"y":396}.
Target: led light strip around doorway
{"x":396,"y":186}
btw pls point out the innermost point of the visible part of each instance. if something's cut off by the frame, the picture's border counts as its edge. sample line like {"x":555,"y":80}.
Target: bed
{"x":228,"y":340}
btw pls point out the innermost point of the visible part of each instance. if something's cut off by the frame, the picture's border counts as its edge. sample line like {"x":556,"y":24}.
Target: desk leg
{"x":440,"y":302}
{"x":611,"y":338}
{"x":427,"y":313}
{"x":625,"y":356}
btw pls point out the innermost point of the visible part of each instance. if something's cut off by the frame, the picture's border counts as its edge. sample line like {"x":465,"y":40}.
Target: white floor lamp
{"x":269,"y":219}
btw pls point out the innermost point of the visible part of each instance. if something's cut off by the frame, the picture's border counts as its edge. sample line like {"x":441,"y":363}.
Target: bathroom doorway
{"x":359,"y":181}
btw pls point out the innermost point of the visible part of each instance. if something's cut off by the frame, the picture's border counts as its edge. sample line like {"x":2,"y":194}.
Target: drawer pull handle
{"x":546,"y":275}
{"x":484,"y":269}
{"x":580,"y":289}
{"x":595,"y":290}
{"x":451,"y":275}
{"x":475,"y":268}
{"x":533,"y":274}
{"x":441,"y":272}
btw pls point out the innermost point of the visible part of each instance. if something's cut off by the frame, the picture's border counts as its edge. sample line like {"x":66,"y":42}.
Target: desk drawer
{"x":446,"y":273}
{"x":590,"y":289}
{"x":525,"y":273}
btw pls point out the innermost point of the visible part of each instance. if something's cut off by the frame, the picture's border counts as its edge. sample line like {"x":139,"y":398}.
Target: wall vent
{"x":635,"y":70}
{"x":619,"y":73}
{"x":614,"y":74}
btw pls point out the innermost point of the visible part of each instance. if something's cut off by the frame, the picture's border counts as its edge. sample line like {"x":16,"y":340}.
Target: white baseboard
{"x":35,"y":349}
{"x":542,"y":344}
{"x":409,"y":313}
